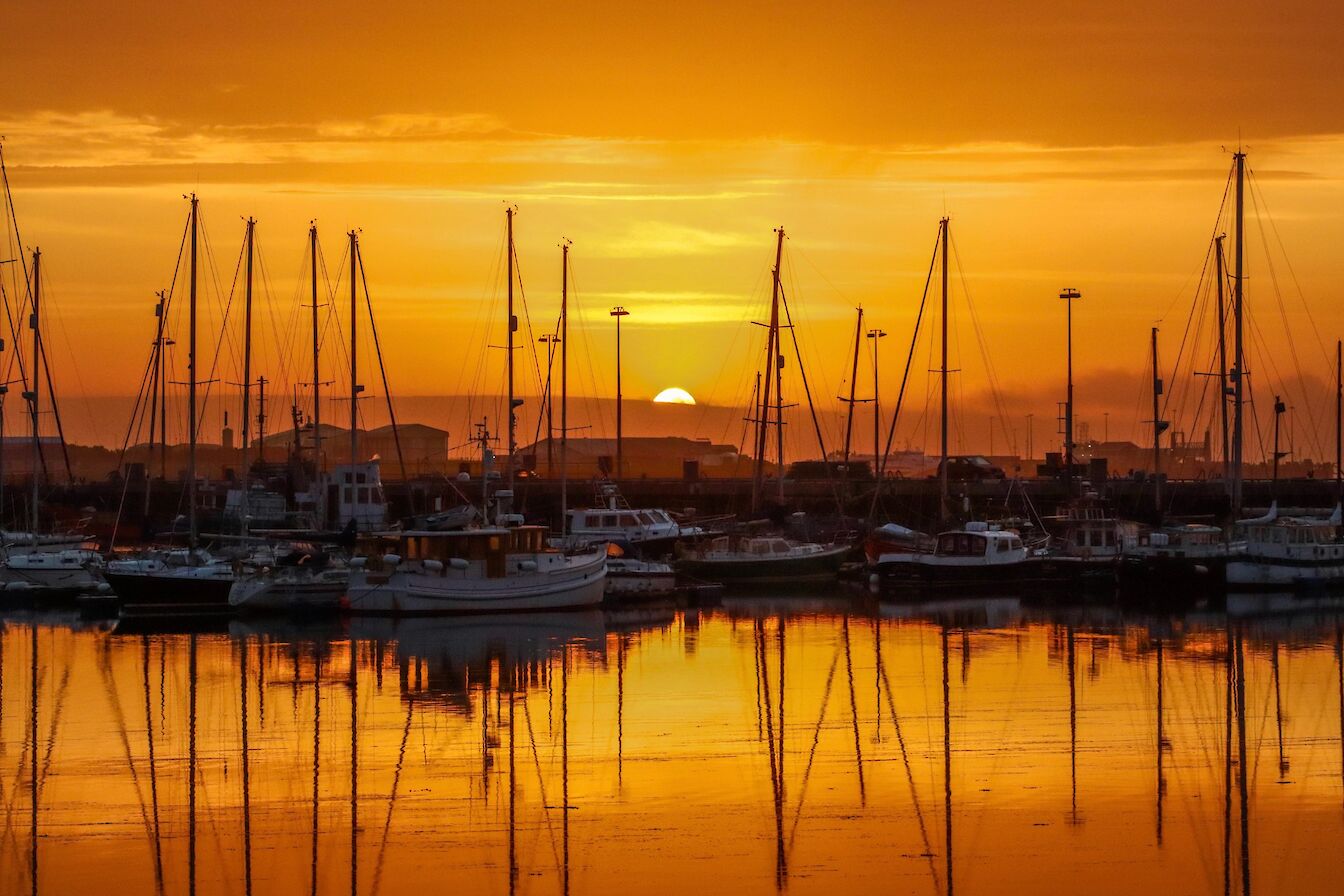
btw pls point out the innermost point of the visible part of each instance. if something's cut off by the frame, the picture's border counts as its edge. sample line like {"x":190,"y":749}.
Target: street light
{"x":618,"y":312}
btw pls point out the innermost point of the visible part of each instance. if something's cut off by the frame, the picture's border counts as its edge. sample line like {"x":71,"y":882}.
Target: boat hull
{"x":294,"y":596}
{"x":1279,"y":573}
{"x":417,"y":593}
{"x":166,"y":594}
{"x":820,"y":566}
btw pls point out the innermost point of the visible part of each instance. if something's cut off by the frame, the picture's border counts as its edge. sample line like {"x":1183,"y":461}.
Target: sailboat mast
{"x":191,"y":386}
{"x":564,"y":386}
{"x":771,"y":348}
{"x":317,"y":385}
{"x":1339,"y":419}
{"x":1239,"y":362}
{"x":247,"y":371}
{"x":35,"y":323}
{"x":163,"y":388}
{"x":1222,"y":346}
{"x":354,"y":367}
{"x":942,"y":466}
{"x":508,"y":349}
{"x":853,"y":382}
{"x":1158,"y":426}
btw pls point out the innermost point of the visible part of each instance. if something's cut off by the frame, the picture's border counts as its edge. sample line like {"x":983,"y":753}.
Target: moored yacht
{"x":762,"y":559}
{"x":647,"y":531}
{"x":478,"y":570}
{"x":1188,"y":559}
{"x":171,"y":582}
{"x":975,"y":557}
{"x":302,"y":580}
{"x":1287,"y":552}
{"x":54,"y":573}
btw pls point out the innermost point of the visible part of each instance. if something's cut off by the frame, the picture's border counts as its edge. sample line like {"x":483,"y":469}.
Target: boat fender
{"x":874,"y":580}
{"x":103,"y":588}
{"x":458,"y":563}
{"x":391,"y":559}
{"x":358,"y":562}
{"x":1201,"y":570}
{"x":527,"y":566}
{"x":433,"y":565}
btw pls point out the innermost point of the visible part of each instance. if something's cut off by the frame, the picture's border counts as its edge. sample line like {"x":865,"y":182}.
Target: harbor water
{"x":768,"y":744}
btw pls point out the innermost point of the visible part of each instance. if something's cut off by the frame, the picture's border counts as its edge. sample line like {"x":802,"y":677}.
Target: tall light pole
{"x":875,"y":335}
{"x":1069,"y":295}
{"x":550,"y":340}
{"x":618,"y":312}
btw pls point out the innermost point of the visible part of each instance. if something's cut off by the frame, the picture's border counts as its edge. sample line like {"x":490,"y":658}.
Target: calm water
{"x":812,"y":746}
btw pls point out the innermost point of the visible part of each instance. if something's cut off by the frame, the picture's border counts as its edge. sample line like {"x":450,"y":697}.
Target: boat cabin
{"x":490,"y":548}
{"x":628,"y":524}
{"x":988,"y":543}
{"x":1298,"y":538}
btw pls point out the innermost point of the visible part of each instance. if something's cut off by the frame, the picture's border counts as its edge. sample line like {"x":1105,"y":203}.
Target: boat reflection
{"x":772,"y":743}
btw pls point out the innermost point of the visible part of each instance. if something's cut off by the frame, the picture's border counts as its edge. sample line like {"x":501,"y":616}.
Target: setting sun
{"x":674,"y":395}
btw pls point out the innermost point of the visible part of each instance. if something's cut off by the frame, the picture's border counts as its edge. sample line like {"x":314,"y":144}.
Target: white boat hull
{"x":1247,"y":572}
{"x":407,"y":592}
{"x":289,"y":595}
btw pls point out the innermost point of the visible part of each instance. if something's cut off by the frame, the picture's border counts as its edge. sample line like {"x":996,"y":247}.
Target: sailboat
{"x":767,"y":559}
{"x":978,"y":555}
{"x":188,"y":580}
{"x":504,"y":566}
{"x":35,"y":563}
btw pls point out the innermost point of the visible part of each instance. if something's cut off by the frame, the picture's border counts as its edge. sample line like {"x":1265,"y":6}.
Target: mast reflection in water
{"x":766,"y":745}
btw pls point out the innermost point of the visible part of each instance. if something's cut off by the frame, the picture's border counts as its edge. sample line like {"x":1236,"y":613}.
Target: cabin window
{"x":646,"y":518}
{"x":359,"y":477}
{"x":1110,"y":538}
{"x":628,"y":519}
{"x":348,"y":494}
{"x":608,"y":520}
{"x":781,"y":547}
{"x":1017,"y":543}
{"x":363,"y":494}
{"x":1080,"y":538}
{"x":1003,"y":545}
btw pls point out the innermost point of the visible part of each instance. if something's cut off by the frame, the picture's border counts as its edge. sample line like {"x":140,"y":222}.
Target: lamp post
{"x":875,"y":335}
{"x":550,"y":340}
{"x":1069,"y":295}
{"x":618,"y":312}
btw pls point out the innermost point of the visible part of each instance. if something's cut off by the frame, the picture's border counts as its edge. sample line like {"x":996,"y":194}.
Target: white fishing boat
{"x":479,"y":570}
{"x":1288,"y":552}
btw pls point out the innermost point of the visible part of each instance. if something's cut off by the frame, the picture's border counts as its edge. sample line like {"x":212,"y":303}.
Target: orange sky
{"x":1070,"y":147}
